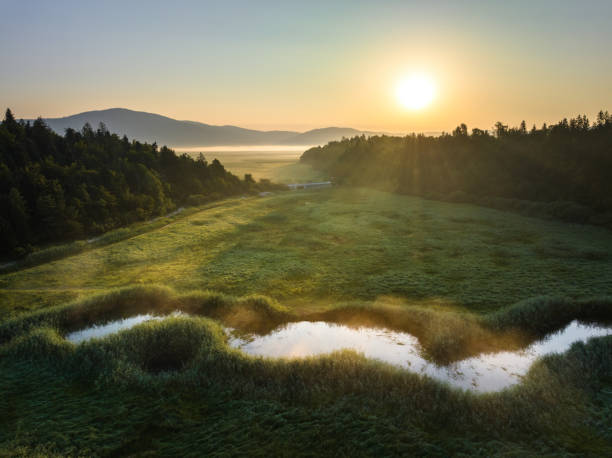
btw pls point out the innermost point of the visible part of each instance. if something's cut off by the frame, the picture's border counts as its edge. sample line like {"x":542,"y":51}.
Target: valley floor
{"x":456,"y":273}
{"x":313,"y":248}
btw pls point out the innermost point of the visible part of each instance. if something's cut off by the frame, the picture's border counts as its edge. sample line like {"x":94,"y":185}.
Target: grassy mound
{"x":181,"y":380}
{"x":445,"y":334}
{"x":252,"y":312}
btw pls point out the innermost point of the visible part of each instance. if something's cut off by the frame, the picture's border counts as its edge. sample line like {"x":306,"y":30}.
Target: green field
{"x":458,"y":276}
{"x":324,"y":247}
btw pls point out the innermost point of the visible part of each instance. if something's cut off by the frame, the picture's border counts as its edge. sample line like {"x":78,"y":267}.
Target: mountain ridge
{"x":152,"y":127}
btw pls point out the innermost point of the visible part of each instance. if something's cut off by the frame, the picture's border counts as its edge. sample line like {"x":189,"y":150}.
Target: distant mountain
{"x":152,"y":127}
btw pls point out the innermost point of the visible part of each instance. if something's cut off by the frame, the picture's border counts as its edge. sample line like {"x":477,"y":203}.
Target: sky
{"x":308,"y":64}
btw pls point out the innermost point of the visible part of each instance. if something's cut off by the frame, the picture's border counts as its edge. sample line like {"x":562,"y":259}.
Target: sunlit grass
{"x":307,"y":248}
{"x":461,"y":278}
{"x":175,"y":387}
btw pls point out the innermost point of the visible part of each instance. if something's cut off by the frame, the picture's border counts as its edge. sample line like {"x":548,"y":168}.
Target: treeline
{"x":562,"y":171}
{"x":55,"y":188}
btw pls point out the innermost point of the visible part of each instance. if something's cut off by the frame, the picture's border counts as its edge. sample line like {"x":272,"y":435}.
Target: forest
{"x":56,"y":188}
{"x":563,"y":171}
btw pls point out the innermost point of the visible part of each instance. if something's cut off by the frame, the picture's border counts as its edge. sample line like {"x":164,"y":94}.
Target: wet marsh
{"x":481,"y":373}
{"x":425,"y":318}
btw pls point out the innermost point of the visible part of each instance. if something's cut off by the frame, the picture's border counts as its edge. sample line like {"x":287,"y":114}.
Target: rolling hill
{"x":152,"y":127}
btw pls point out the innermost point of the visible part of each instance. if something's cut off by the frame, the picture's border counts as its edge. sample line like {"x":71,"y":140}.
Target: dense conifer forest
{"x":562,"y":171}
{"x":55,"y":188}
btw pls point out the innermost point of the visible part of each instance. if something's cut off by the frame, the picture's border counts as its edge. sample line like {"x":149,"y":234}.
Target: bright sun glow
{"x":416,"y":91}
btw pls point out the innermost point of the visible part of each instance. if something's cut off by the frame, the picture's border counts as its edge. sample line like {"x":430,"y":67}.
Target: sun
{"x":416,"y":91}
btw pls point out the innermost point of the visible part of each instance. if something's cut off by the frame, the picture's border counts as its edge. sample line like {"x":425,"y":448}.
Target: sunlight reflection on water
{"x":482,"y":373}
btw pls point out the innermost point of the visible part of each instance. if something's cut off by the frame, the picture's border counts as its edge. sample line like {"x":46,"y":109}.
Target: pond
{"x":101,"y":330}
{"x":481,"y":373}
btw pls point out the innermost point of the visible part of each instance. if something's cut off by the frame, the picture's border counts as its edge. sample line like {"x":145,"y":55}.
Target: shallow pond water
{"x":101,"y":330}
{"x":482,"y":373}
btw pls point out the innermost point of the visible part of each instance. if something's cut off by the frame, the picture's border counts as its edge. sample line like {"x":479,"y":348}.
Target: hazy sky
{"x":305,"y":64}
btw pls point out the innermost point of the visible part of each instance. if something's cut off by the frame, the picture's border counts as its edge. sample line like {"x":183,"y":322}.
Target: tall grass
{"x":463,"y":279}
{"x":154,"y":366}
{"x":444,"y":334}
{"x":250,"y":312}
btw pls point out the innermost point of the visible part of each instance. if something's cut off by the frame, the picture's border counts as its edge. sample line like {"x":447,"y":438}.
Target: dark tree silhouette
{"x":566,"y":168}
{"x":61,"y":188}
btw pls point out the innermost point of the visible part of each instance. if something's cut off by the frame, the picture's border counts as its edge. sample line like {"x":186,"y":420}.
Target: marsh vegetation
{"x":482,"y":373}
{"x":185,"y":273}
{"x":462,"y":280}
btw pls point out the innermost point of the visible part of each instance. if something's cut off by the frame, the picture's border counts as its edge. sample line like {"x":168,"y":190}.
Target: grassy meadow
{"x":462,"y":278}
{"x":320,"y":248}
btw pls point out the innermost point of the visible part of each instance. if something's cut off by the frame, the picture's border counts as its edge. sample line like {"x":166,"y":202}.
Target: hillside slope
{"x":152,"y":127}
